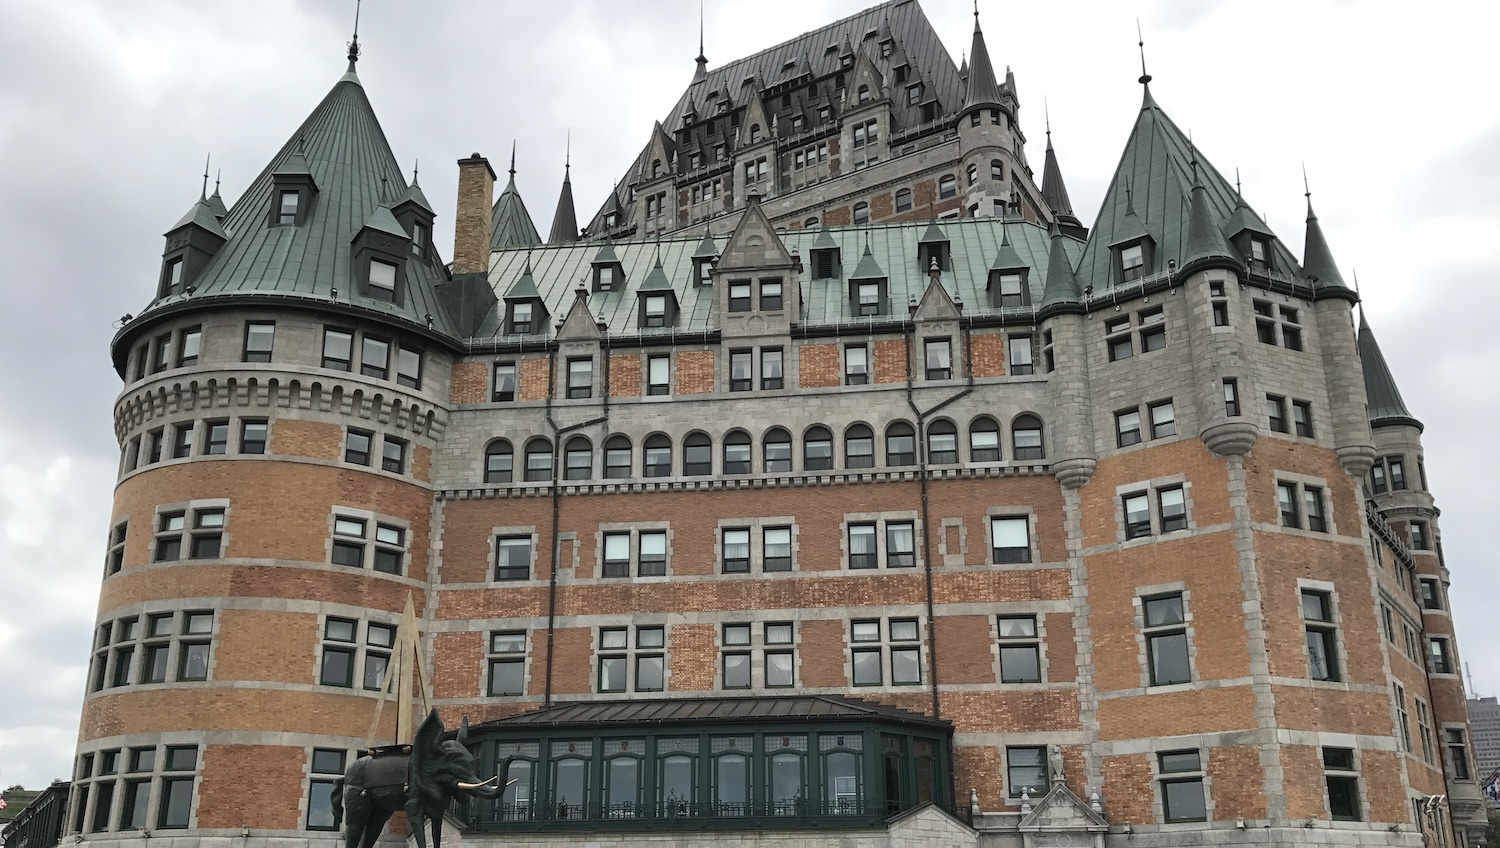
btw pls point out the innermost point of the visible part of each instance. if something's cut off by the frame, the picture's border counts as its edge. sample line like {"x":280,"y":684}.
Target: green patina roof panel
{"x":712,"y":710}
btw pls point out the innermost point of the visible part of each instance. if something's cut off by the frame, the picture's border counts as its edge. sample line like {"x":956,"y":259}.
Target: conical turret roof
{"x":1062,"y":287}
{"x":981,"y":87}
{"x":1006,"y":259}
{"x":216,"y":203}
{"x":564,"y":222}
{"x":341,"y":148}
{"x":1317,"y":259}
{"x":1206,"y":245}
{"x":1055,"y":192}
{"x":510,"y":223}
{"x":868,"y":268}
{"x":1386,"y":408}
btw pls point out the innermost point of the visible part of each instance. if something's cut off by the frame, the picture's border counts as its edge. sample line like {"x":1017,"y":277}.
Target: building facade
{"x":1484,"y":718}
{"x":944,"y":522}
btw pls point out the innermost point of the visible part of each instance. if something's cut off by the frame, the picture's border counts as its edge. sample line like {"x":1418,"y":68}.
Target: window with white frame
{"x":1010,"y":539}
{"x":632,"y":659}
{"x":885,"y":650}
{"x":756,"y":656}
{"x":507,"y":663}
{"x":1164,"y":628}
{"x":1020,"y":649}
{"x":643,"y":552}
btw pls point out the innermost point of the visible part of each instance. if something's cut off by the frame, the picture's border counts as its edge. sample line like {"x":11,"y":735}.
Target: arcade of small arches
{"x":777,"y":455}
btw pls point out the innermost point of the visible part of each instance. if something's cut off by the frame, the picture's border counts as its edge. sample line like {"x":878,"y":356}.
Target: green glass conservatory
{"x":719,"y":763}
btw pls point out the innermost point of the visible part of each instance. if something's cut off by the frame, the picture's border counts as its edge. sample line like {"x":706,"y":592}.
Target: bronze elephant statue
{"x":422,"y":780}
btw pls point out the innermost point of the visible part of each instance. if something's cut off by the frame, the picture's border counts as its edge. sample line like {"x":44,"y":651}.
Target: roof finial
{"x":1306,"y":192}
{"x":512,"y":159}
{"x":354,"y":43}
{"x":1047,"y":115}
{"x":1193,"y":148}
{"x":383,"y":191}
{"x":1141,"y":43}
{"x":568,"y":152}
{"x":203,"y":195}
{"x":416,"y":165}
{"x":1129,"y":198}
{"x":1237,"y":191}
{"x":702,"y":59}
{"x":217,"y":174}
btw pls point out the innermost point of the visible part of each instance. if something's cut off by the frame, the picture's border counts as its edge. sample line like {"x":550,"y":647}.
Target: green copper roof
{"x":342,"y":148}
{"x":1205,"y":238}
{"x":1062,"y":282}
{"x":510,"y":223}
{"x":981,"y":87}
{"x":656,"y":278}
{"x":216,"y":203}
{"x":824,"y":241}
{"x":1151,"y":194}
{"x":202,"y":215}
{"x":1383,"y":399}
{"x":933,"y":234}
{"x":564,"y":221}
{"x":381,"y":220}
{"x":707,"y":249}
{"x":1317,"y":259}
{"x":1006,"y":259}
{"x":524,"y":288}
{"x":413,"y":194}
{"x":973,"y":242}
{"x":1244,"y":218}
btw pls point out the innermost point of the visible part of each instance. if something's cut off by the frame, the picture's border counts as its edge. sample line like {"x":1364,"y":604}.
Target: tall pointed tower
{"x":283,"y":393}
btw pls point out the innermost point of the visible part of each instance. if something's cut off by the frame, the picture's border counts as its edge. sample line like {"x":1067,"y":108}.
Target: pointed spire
{"x":1205,"y":244}
{"x":1055,"y":191}
{"x":702,"y":60}
{"x":1317,"y":259}
{"x":510,"y":222}
{"x":868,"y":268}
{"x":1386,"y":408}
{"x":354,"y":42}
{"x":564,"y":221}
{"x":1063,"y":288}
{"x":706,"y":248}
{"x":656,"y":278}
{"x":1145,"y":79}
{"x":203,"y":194}
{"x":513,"y":160}
{"x":982,"y":87}
{"x":216,"y":202}
{"x":1006,"y":259}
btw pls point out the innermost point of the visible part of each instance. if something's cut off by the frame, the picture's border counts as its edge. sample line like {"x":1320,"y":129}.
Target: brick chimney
{"x":471,"y":221}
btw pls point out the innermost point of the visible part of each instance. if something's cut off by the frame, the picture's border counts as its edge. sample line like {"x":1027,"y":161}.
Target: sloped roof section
{"x":1383,"y":399}
{"x":982,"y":88}
{"x":1151,"y":193}
{"x":342,"y":147}
{"x":973,"y":244}
{"x":202,"y":215}
{"x":510,"y":223}
{"x":1317,"y":258}
{"x":1055,"y":193}
{"x":637,"y":711}
{"x":564,"y":221}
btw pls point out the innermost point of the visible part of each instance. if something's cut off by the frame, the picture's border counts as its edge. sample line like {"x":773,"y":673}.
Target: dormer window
{"x":286,"y":210}
{"x":171,"y":278}
{"x":868,"y":297}
{"x":382,"y":280}
{"x":914,"y":95}
{"x":419,"y":239}
{"x":702,"y":272}
{"x":824,"y":114}
{"x":796,"y":123}
{"x":611,"y":219}
{"x":606,"y":278}
{"x":1008,"y":289}
{"x":754,"y":133}
{"x":520,"y":318}
{"x":864,"y":94}
{"x":654,"y":311}
{"x":1132,"y":262}
{"x":825,"y":264}
{"x":655,"y":168}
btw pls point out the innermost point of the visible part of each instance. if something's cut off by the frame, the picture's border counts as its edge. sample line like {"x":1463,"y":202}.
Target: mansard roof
{"x":818,"y":52}
{"x":342,"y":148}
{"x":1151,"y":194}
{"x":974,"y":242}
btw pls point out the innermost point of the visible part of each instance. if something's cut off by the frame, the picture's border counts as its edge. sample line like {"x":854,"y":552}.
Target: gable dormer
{"x":379,"y":253}
{"x":1251,"y":238}
{"x":609,"y":272}
{"x":869,"y":288}
{"x":825,"y":256}
{"x":191,"y":245}
{"x":704,"y":257}
{"x":1008,"y":282}
{"x":415,"y":215}
{"x":1132,"y":253}
{"x":934,"y":248}
{"x":757,"y":286}
{"x":525,"y":312}
{"x":293,"y":192}
{"x":656,"y":300}
{"x":866,"y":85}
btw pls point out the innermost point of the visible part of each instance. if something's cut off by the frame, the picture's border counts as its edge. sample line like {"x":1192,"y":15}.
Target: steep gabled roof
{"x":1151,"y":193}
{"x":202,"y":214}
{"x":342,"y":148}
{"x":1383,"y":399}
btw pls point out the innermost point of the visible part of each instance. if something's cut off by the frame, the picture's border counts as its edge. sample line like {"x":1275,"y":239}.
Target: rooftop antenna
{"x":1141,"y":43}
{"x":203,"y":195}
{"x":354,"y":44}
{"x":1469,"y":673}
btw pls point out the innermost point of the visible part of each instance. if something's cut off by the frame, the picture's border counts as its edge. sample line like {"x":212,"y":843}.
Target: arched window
{"x":578,"y":459}
{"x":656,"y":456}
{"x":499,"y":461}
{"x":737,"y":452}
{"x":997,"y":170}
{"x":655,"y":167}
{"x":1026,"y":437}
{"x":973,"y":174}
{"x":754,"y":133}
{"x":697,"y":455}
{"x":538,"y":460}
{"x":809,"y":223}
{"x":903,"y":200}
{"x":864,"y":94}
{"x":777,"y":449}
{"x":900,"y":444}
{"x":617,"y":461}
{"x":817,"y":449}
{"x":859,"y":447}
{"x":861,"y":213}
{"x":942,"y":442}
{"x":984,"y":440}
{"x":947,"y":185}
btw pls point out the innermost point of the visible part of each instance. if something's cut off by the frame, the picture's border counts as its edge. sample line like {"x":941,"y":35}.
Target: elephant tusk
{"x":478,"y":785}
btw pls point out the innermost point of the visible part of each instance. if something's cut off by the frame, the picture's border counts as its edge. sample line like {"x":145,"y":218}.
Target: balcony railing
{"x":789,"y":812}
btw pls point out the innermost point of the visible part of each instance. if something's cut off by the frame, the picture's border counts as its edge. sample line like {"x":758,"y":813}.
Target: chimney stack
{"x":471,"y":222}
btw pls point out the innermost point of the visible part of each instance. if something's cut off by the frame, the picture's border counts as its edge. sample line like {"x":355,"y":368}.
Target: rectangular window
{"x":382,"y":280}
{"x":658,"y":375}
{"x":900,"y":545}
{"x":390,"y":548}
{"x":653,"y":557}
{"x":182,"y":440}
{"x":1171,"y":509}
{"x":338,"y":349}
{"x":208,"y":534}
{"x":161,"y":353}
{"x":736,"y":550}
{"x":776,"y":549}
{"x":189,"y":343}
{"x":741,"y":370}
{"x":1182,"y":786}
{"x":1132,"y":263}
{"x":1302,"y":418}
{"x":580,"y":378}
{"x":1165,"y":622}
{"x":409,"y":367}
{"x":1020,"y":350}
{"x":939,"y":359}
{"x":260,"y":336}
{"x":1312,"y":502}
{"x":507,"y":663}
{"x":1020,"y":649}
{"x":862,"y":550}
{"x":770,"y":295}
{"x":655,"y":311}
{"x":1397,"y":468}
{"x":169,"y":527}
{"x":617,"y":555}
{"x":286,"y":210}
{"x":215,"y":437}
{"x":115,"y":560}
{"x":1231,"y":397}
{"x":736,"y":657}
{"x":357,"y":447}
{"x":253,"y":435}
{"x":1286,"y":500}
{"x":1424,"y":729}
{"x":512,"y":557}
{"x":770,"y":368}
{"x":1136,"y":508}
{"x":504,"y":382}
{"x":1403,"y":719}
{"x":1291,"y":334}
{"x":1011,"y":292}
{"x":1026,"y":771}
{"x":1153,"y":330}
{"x":348,"y":547}
{"x":1439,"y":657}
{"x":520,"y":317}
{"x":1322,"y":636}
{"x":1276,"y":413}
{"x":337,"y":665}
{"x":1431,"y":593}
{"x":1117,"y":338}
{"x":327,"y":768}
{"x":1128,"y":427}
{"x":616,"y":655}
{"x":1265,"y":322}
{"x":379,"y":639}
{"x":154,"y":446}
{"x":1163,"y":420}
{"x":739,"y":296}
{"x":1010,"y":539}
{"x":856,"y":365}
{"x":1458,"y":754}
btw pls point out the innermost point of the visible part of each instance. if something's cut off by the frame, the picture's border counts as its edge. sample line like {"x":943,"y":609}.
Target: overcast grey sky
{"x":107,"y":108}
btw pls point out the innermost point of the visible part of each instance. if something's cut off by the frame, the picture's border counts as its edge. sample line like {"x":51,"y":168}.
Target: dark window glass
{"x":657,"y":456}
{"x":900,"y":445}
{"x":498,"y":462}
{"x":253,"y":436}
{"x":409,"y":368}
{"x":817,"y":449}
{"x":375,"y":357}
{"x":260,"y":336}
{"x":770,"y":368}
{"x":1011,"y":539}
{"x":1026,"y":771}
{"x":512,"y":557}
{"x":942,"y":443}
{"x":737,"y":453}
{"x":176,"y":803}
{"x":1026,"y":438}
{"x":617,"y":461}
{"x":859,"y":447}
{"x":504,"y":382}
{"x":984,"y":440}
{"x":538,"y":461}
{"x":357,"y":447}
{"x":215,"y":437}
{"x":578,"y":460}
{"x":777,"y":446}
{"x":741,"y":370}
{"x":1137,"y":510}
